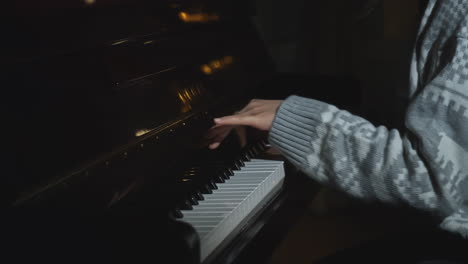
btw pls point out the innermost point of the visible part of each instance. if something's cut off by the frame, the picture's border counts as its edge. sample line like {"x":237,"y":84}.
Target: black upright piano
{"x":105,"y":105}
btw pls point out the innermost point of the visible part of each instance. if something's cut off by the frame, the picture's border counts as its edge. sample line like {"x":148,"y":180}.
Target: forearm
{"x":338,"y":148}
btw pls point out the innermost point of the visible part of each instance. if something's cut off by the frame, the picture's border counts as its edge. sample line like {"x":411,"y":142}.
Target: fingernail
{"x":217,"y":120}
{"x":213,"y":145}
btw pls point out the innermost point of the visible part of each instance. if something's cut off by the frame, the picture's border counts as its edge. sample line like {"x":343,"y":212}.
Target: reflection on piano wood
{"x":110,"y":101}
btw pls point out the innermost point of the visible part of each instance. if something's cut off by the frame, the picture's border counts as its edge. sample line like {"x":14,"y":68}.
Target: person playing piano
{"x":424,"y":166}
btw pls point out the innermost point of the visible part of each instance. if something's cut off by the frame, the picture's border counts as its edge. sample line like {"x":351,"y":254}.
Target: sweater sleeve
{"x":426,"y":167}
{"x":337,"y":148}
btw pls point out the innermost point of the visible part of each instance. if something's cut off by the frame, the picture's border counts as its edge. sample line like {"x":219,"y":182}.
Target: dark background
{"x":365,"y":44}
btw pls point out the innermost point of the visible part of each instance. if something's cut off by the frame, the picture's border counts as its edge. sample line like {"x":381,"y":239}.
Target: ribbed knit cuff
{"x":295,"y":125}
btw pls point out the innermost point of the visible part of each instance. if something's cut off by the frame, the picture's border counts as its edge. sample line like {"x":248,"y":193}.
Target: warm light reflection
{"x":197,"y":17}
{"x":183,"y":16}
{"x":216,"y":65}
{"x":228,"y":59}
{"x":206,"y":69}
{"x":187,"y":96}
{"x":141,"y":132}
{"x":118,"y":42}
{"x":89,"y":2}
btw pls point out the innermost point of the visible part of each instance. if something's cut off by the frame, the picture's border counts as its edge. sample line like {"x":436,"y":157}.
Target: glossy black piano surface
{"x":85,"y":82}
{"x":107,"y":104}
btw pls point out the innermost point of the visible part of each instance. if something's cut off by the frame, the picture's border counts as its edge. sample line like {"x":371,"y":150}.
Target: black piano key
{"x":177,"y":213}
{"x":193,"y":199}
{"x":229,"y":172}
{"x":236,"y":166}
{"x":212,"y":185}
{"x":246,"y":157}
{"x":206,"y":189}
{"x":220,"y":179}
{"x":199,"y":195}
{"x":226,"y":175}
{"x":263,"y":145}
{"x":255,"y":151}
{"x":186,"y":205}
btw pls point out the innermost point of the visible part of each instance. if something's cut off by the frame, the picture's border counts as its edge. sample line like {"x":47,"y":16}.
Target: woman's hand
{"x":258,"y":114}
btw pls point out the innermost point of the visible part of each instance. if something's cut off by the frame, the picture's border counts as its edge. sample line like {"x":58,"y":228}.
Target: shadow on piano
{"x":107,"y":104}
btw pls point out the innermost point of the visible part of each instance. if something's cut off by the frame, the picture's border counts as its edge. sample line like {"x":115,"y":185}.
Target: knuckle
{"x":253,"y":101}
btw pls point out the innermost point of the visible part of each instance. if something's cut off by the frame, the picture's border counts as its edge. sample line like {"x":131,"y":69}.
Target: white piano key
{"x":263,"y":161}
{"x":217,"y":205}
{"x":205,"y":214}
{"x":210,"y":222}
{"x":212,"y":209}
{"x":203,"y":228}
{"x":202,"y":218}
{"x":220,"y":201}
{"x":236,"y":187}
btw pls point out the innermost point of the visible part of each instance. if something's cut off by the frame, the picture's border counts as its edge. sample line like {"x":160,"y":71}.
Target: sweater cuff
{"x":295,"y":126}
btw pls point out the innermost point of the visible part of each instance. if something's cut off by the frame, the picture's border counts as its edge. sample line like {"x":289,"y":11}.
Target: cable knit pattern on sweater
{"x":424,"y":166}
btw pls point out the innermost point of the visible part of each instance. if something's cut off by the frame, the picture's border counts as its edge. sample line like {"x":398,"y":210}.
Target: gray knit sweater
{"x":424,"y":166}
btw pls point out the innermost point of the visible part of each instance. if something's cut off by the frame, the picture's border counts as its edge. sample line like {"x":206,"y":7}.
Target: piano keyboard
{"x":222,"y":212}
